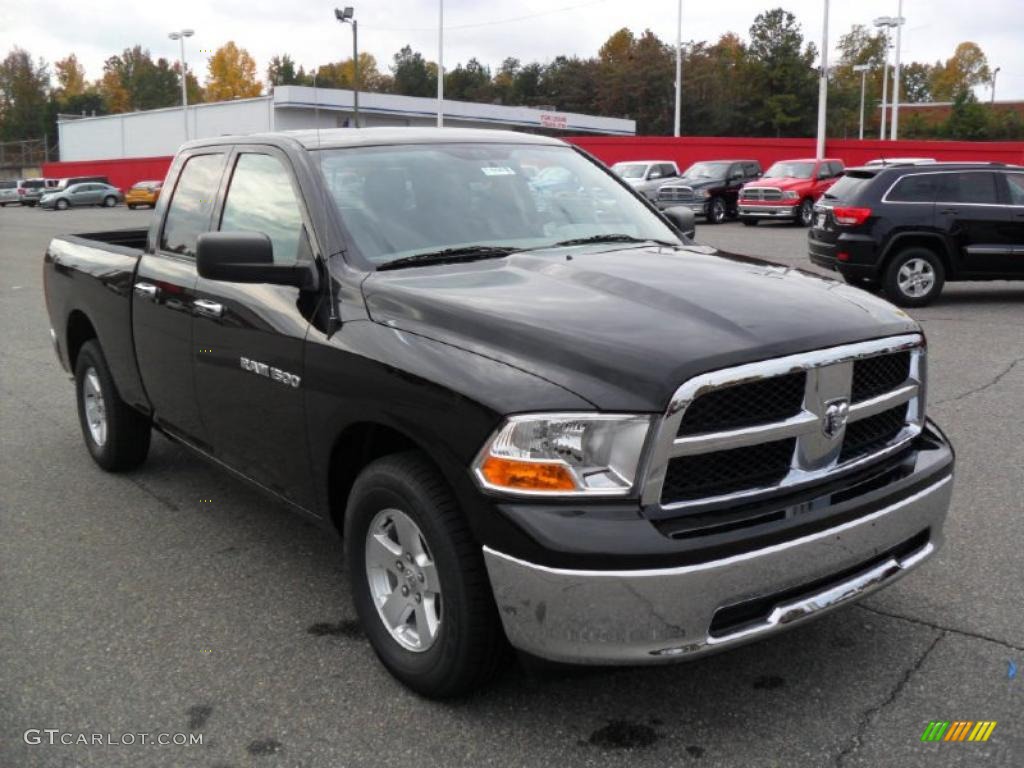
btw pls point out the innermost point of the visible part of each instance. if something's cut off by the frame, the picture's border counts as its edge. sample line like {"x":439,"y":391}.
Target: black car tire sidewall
{"x":716,"y":204}
{"x":801,"y":220}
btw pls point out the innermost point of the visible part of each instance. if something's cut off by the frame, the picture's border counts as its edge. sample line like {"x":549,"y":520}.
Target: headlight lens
{"x":789,"y":194}
{"x":705,"y":193}
{"x":564,"y":454}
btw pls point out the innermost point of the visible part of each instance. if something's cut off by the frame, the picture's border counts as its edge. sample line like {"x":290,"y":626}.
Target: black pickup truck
{"x":540,"y":416}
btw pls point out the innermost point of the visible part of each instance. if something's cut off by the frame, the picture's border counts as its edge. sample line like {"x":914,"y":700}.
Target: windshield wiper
{"x":609,"y":238}
{"x":450,"y":256}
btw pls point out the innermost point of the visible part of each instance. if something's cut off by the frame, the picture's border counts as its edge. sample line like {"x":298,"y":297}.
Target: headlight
{"x":789,"y":194}
{"x":564,"y":454}
{"x":705,"y":193}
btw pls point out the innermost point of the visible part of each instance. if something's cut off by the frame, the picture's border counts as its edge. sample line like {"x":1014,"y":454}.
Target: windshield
{"x":790,"y":170}
{"x":706,"y":171}
{"x":398,"y":201}
{"x":630,"y":170}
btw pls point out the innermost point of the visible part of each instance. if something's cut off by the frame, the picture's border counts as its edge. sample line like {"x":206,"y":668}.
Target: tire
{"x":61,"y":205}
{"x":805,"y":213}
{"x":132,"y":206}
{"x":716,"y":211}
{"x":109,"y":201}
{"x":914,"y":277}
{"x":118,"y":436}
{"x":750,"y":222}
{"x":467,"y":647}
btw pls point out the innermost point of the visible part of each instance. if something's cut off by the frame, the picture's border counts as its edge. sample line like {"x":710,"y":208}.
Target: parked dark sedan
{"x":82,"y":194}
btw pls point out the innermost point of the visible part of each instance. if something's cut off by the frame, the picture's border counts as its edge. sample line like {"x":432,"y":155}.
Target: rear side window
{"x":261,"y":199}
{"x":192,"y":204}
{"x":849,"y":187}
{"x":1015,"y":181}
{"x":916,"y":189}
{"x":977,"y":187}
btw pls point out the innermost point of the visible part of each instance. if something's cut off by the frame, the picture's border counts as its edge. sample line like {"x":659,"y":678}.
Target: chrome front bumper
{"x":769,"y":211}
{"x":651,"y":616}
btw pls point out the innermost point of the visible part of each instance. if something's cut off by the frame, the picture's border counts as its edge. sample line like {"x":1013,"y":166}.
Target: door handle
{"x":948,"y":211}
{"x":147,"y":290}
{"x":208,"y":308}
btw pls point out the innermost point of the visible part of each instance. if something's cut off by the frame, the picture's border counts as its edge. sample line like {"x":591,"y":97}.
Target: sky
{"x":526,"y":29}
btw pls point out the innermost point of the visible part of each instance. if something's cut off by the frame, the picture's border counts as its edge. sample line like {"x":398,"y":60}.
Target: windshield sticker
{"x":498,"y":170}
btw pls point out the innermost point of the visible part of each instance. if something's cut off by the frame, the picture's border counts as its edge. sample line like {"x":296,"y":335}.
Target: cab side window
{"x":188,"y":215}
{"x":261,"y":199}
{"x":1015,"y":181}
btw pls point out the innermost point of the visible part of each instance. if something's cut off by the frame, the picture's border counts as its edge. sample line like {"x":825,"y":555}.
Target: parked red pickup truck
{"x":788,"y":191}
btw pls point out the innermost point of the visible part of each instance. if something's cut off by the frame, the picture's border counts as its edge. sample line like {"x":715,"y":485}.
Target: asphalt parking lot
{"x":128,"y":605}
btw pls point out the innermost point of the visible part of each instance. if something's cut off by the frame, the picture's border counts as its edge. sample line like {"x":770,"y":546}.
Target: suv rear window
{"x":849,"y":186}
{"x":8,"y":184}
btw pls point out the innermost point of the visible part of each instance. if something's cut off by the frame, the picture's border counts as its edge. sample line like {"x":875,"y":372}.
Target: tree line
{"x":762,"y":85}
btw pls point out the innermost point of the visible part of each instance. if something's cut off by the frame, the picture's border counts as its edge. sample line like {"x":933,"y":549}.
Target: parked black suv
{"x":909,"y":228}
{"x":710,"y":188}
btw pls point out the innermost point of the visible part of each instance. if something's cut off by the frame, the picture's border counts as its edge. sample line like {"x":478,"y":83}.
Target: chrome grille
{"x":761,"y":193}
{"x":676,"y":194}
{"x":753,"y":429}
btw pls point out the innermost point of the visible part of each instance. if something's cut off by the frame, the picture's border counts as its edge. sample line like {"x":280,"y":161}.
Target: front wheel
{"x":716,"y":211}
{"x":914,"y":277}
{"x":804,"y":214}
{"x":61,"y":205}
{"x":419,"y":583}
{"x":116,"y":435}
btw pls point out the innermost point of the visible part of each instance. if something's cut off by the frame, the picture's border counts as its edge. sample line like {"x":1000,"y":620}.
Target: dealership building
{"x":159,"y":132}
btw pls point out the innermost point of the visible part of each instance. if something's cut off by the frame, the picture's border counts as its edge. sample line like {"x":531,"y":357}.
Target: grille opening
{"x":873,"y":433}
{"x":745,"y":405}
{"x":734,"y":618}
{"x":721,"y":472}
{"x":875,"y":376}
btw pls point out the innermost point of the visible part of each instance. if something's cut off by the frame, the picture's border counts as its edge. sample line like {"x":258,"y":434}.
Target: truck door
{"x":163,"y":294}
{"x":251,"y":337}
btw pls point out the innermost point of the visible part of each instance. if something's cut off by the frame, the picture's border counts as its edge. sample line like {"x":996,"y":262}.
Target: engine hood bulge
{"x":623,"y":328}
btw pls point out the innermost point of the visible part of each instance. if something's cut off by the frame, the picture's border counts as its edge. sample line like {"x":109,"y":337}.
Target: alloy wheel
{"x":916,"y":278}
{"x":95,"y":407}
{"x":403,"y":580}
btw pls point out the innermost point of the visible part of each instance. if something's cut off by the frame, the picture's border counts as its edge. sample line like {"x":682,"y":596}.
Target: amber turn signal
{"x":527,"y":475}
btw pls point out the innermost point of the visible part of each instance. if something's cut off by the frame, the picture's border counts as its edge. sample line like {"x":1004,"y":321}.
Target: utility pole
{"x":679,"y":67}
{"x":994,"y":73}
{"x":440,"y":63}
{"x":823,"y":87}
{"x":348,"y":15}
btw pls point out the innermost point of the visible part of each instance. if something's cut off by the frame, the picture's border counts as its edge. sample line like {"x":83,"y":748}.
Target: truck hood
{"x":624,"y":327}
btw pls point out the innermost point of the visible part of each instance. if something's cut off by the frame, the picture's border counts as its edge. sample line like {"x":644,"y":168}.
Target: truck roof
{"x":364,"y":137}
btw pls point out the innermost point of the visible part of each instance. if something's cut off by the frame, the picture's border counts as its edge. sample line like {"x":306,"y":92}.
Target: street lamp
{"x":885,"y":23}
{"x":348,"y":15}
{"x":994,"y":73}
{"x":863,"y":69}
{"x":823,"y":89}
{"x":440,"y":63}
{"x":180,"y":36}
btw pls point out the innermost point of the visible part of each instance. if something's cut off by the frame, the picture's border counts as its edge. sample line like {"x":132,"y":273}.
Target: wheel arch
{"x":930,"y":240}
{"x":79,"y":330}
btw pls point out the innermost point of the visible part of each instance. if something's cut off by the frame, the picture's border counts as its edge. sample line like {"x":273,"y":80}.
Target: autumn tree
{"x":231,"y":74}
{"x":966,"y":68}
{"x":24,"y":86}
{"x":341,"y":74}
{"x":70,"y":77}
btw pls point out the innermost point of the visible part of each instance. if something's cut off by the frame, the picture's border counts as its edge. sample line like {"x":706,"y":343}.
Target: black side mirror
{"x":682,"y":219}
{"x":248,"y":257}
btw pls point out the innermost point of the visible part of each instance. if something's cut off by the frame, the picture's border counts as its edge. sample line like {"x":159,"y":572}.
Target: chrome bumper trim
{"x":769,"y":211}
{"x":656,"y":615}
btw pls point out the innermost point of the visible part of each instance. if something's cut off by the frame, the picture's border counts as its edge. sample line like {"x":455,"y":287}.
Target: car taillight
{"x":850,"y":217}
{"x":21,"y":191}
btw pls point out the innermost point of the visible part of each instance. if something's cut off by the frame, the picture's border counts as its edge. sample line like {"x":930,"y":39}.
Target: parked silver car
{"x":9,"y":192}
{"x":646,"y":176}
{"x":82,"y":194}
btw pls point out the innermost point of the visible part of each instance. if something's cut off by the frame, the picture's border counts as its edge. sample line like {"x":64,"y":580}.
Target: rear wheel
{"x":914,"y":277}
{"x":116,"y":435}
{"x":419,"y":583}
{"x":805,"y":213}
{"x":109,"y":201}
{"x":131,"y":206}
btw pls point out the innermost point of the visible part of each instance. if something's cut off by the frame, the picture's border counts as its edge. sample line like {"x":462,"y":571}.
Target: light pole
{"x":440,"y":63}
{"x":994,"y":73}
{"x":895,"y":132}
{"x":823,"y":87}
{"x":180,"y":36}
{"x":679,"y":67}
{"x":348,"y":15}
{"x":863,"y":69}
{"x":885,"y":23}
